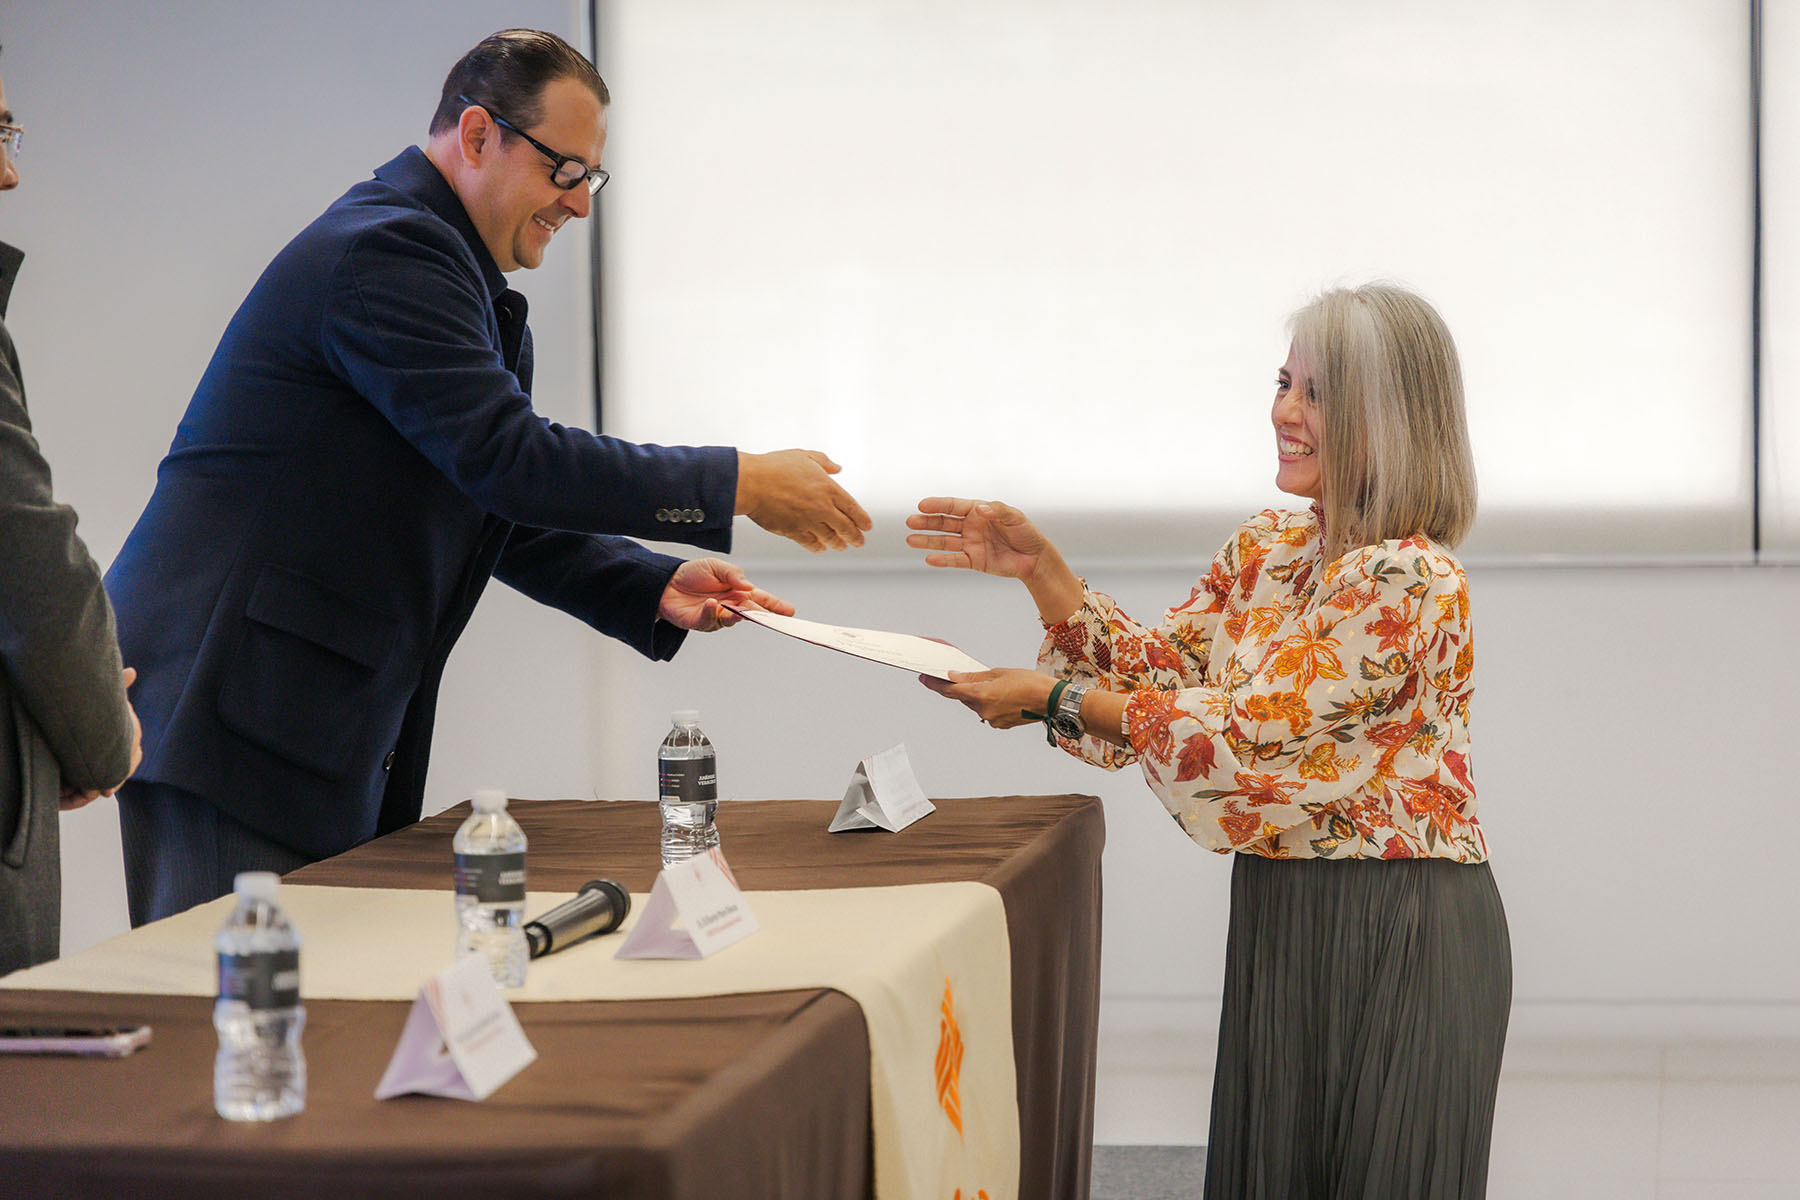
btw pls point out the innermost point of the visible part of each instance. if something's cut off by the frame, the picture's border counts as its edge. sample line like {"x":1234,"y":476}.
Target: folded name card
{"x":461,"y":1039}
{"x":694,"y":910}
{"x":883,"y":794}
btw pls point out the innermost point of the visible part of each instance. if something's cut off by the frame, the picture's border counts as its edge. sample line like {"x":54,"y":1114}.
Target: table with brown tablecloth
{"x":763,"y":1095}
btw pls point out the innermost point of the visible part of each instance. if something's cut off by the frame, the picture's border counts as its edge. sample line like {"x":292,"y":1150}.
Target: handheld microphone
{"x":597,"y":908}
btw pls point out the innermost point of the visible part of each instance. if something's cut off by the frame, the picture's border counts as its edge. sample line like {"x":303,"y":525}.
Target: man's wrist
{"x":745,"y":469}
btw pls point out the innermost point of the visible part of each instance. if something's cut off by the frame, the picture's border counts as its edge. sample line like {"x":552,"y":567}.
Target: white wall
{"x":1632,"y":724}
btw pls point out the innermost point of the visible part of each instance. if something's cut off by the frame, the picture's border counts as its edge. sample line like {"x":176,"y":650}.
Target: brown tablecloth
{"x":734,"y":1096}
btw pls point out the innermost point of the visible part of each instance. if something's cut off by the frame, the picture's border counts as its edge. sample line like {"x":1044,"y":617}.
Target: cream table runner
{"x":929,"y":964}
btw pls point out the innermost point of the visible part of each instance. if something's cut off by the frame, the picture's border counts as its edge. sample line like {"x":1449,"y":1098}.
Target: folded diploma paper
{"x":920,"y":655}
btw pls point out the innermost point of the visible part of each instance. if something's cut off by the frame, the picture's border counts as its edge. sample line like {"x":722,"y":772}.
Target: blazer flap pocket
{"x":292,"y":603}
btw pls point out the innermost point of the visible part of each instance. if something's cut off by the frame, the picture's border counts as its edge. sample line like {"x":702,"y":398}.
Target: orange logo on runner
{"x":949,"y":1063}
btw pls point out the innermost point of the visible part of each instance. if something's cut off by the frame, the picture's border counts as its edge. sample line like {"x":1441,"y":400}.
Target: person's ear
{"x":476,"y":136}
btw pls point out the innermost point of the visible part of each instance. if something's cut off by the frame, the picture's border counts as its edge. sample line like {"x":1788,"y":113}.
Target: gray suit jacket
{"x":64,"y":720}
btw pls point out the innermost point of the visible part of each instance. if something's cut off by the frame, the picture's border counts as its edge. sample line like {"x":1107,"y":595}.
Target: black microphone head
{"x":621,"y":901}
{"x":597,"y":908}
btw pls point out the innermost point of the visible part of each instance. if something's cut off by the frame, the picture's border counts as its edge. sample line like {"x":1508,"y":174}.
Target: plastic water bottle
{"x":260,"y":1073}
{"x":689,"y":790}
{"x":490,"y":888}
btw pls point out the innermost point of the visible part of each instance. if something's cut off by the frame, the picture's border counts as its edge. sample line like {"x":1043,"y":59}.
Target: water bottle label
{"x":263,"y":981}
{"x":492,"y":878}
{"x":688,"y":781}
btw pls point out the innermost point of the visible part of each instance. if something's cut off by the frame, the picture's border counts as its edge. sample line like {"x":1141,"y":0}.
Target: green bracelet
{"x":1049,"y":708}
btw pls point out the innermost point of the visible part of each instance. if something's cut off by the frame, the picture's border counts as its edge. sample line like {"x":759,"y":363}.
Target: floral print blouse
{"x":1294,"y":708}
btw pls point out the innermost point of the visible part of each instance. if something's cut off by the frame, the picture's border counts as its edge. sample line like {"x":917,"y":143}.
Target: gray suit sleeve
{"x":58,"y":647}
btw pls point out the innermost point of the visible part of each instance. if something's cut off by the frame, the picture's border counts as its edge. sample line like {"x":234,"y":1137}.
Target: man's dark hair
{"x":507,"y":73}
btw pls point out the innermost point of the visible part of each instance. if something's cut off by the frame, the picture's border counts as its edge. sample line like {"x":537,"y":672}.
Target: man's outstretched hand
{"x":791,"y":492}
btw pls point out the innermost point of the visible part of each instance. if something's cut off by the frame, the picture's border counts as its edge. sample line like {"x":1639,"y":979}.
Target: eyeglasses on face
{"x":12,"y":137}
{"x":565,"y":172}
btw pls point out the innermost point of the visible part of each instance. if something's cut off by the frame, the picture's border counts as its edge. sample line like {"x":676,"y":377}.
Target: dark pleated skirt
{"x":1364,"y":1018}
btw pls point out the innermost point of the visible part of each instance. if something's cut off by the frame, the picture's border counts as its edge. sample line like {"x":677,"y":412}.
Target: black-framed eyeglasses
{"x":565,"y":172}
{"x":12,"y":137}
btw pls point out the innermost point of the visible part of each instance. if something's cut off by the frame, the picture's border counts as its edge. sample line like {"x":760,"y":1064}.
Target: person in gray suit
{"x":67,"y":733}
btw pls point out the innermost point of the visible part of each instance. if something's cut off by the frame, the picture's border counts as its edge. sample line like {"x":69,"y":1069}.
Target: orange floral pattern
{"x":1294,"y":708}
{"x":948,"y":1067}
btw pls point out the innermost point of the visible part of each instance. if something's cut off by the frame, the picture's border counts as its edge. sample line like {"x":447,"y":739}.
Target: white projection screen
{"x":1781,"y":281}
{"x":1045,"y":251}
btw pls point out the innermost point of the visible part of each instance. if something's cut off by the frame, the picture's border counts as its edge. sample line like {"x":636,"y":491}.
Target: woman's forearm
{"x":1054,"y":587}
{"x":1103,"y":713}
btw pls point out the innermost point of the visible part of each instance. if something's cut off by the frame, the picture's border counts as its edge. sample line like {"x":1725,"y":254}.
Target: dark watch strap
{"x":1049,"y":713}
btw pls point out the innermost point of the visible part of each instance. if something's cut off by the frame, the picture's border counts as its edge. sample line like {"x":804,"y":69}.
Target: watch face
{"x":1066,"y":720}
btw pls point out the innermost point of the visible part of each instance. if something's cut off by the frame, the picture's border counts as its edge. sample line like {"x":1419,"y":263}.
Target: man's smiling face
{"x":513,"y":203}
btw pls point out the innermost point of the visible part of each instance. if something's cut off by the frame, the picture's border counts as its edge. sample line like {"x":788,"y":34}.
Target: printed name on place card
{"x":461,"y":1040}
{"x":695,"y":910}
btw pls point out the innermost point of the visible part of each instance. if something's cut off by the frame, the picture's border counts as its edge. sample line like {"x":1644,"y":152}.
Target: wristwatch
{"x":1066,"y":720}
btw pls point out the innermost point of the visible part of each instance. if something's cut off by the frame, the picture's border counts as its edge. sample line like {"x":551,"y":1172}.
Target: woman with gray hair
{"x":1306,"y":710}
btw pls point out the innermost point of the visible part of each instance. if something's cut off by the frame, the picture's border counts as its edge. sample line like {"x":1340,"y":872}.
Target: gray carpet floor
{"x":1148,"y":1172}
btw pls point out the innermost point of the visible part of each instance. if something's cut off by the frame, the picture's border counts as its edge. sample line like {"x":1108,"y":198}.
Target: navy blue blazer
{"x":359,"y":457}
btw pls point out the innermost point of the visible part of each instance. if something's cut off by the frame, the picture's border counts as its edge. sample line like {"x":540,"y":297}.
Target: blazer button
{"x":387,"y":764}
{"x":662,"y":514}
{"x":699,"y":514}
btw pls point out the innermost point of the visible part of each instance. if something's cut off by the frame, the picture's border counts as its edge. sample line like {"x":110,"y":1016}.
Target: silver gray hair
{"x":1386,"y":378}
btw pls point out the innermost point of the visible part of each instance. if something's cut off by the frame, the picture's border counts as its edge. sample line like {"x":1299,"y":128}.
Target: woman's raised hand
{"x":977,"y":535}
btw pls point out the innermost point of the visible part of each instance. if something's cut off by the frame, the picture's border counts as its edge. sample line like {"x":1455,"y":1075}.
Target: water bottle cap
{"x":490,"y":800}
{"x":256,"y":885}
{"x":685,"y":717}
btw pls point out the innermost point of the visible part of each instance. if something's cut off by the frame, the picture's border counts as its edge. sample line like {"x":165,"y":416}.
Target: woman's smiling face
{"x":1299,"y":431}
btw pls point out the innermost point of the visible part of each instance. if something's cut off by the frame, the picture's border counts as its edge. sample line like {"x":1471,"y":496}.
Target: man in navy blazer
{"x":359,"y":457}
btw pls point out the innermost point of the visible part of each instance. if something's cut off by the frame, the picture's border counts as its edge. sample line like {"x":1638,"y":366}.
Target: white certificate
{"x":920,"y":655}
